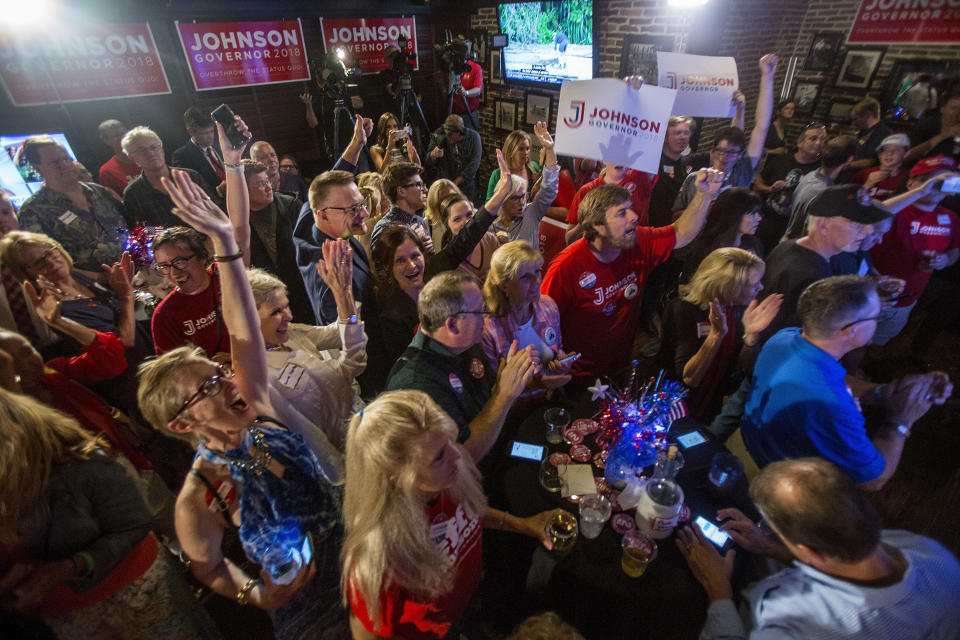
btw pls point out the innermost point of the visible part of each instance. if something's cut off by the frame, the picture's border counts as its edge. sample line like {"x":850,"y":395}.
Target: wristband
{"x":241,"y":596}
{"x":227,"y":165}
{"x":230,"y":258}
{"x":229,"y":168}
{"x":503,"y":520}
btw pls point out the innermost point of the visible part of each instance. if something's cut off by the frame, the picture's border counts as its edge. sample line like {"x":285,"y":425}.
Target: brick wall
{"x":749,"y":29}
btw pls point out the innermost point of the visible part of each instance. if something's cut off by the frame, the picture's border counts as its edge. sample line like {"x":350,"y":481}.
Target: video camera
{"x":333,"y":75}
{"x":453,"y":55}
{"x":401,"y":60}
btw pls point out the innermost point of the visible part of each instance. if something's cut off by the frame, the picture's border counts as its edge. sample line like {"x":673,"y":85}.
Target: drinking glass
{"x":282,"y":563}
{"x":562,"y":532}
{"x":595,"y":509}
{"x":557,"y":420}
{"x":638,"y":552}
{"x":550,"y":475}
{"x":725,"y":470}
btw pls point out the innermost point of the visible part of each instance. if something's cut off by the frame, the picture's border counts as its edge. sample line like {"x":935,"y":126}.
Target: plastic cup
{"x":638,"y":552}
{"x":595,"y":510}
{"x":550,"y":476}
{"x":557,"y":419}
{"x":725,"y":471}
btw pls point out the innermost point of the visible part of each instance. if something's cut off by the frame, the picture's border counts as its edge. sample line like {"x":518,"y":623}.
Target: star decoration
{"x":598,"y":391}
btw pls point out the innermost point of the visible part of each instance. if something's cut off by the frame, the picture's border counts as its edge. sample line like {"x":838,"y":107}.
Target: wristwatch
{"x":350,"y":320}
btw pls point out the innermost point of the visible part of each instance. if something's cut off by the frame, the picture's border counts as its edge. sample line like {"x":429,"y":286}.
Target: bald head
{"x":264,"y":153}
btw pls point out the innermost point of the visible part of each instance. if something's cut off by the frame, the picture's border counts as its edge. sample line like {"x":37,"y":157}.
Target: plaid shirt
{"x":498,"y":333}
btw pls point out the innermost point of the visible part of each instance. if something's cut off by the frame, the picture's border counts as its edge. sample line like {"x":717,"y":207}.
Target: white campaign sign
{"x":704,"y":84}
{"x":606,"y":120}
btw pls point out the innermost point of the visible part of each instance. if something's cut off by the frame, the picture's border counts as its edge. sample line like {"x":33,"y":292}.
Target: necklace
{"x":260,"y":459}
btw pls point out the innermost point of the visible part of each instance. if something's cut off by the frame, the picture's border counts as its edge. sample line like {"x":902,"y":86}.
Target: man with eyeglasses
{"x":81,"y":216}
{"x":146,"y":200}
{"x":286,"y":182}
{"x":445,"y":361}
{"x":404,"y":185}
{"x":800,"y":404}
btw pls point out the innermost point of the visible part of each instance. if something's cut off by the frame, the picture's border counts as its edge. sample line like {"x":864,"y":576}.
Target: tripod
{"x":455,"y":87}
{"x":343,"y":116}
{"x":410,"y":111}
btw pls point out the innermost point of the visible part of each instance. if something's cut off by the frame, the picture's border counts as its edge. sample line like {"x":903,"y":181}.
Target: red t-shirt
{"x":913,"y":232}
{"x":638,"y":183}
{"x":883,"y":189}
{"x":117,"y":175}
{"x":182,"y":319}
{"x":472,"y":79}
{"x":458,"y":534}
{"x":599,"y":302}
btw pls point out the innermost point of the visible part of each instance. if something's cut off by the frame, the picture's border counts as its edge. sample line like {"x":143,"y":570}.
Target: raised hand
{"x":46,"y":303}
{"x":335,"y":268}
{"x":231,"y":155}
{"x":306,"y":98}
{"x":195,"y":207}
{"x":738,"y":99}
{"x":759,"y":315}
{"x":718,"y":319}
{"x":543,"y":135}
{"x":120,"y":276}
{"x":503,"y":188}
{"x":634,"y":82}
{"x":769,"y":62}
{"x":709,"y":181}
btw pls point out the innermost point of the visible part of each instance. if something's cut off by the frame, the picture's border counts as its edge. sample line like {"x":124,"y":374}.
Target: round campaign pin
{"x":602,"y":486}
{"x":580,"y":452}
{"x":476,"y":368}
{"x":455,"y":383}
{"x":572,"y":436}
{"x":550,"y":335}
{"x":587,"y":280}
{"x":621,"y":523}
{"x":559,"y":458}
{"x":631,"y":291}
{"x":585,"y":426}
{"x":609,"y":308}
{"x":599,"y":460}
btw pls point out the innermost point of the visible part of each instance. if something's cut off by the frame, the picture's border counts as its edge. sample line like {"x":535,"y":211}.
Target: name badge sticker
{"x":456,"y":383}
{"x":943,"y":219}
{"x":291,"y":375}
{"x":67,"y":217}
{"x":703,"y":329}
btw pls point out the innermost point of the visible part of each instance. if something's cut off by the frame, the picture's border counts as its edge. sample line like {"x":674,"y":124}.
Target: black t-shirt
{"x":785,"y":167}
{"x":790,"y":269}
{"x":869,"y":140}
{"x":773,"y":141}
{"x":670,"y":178}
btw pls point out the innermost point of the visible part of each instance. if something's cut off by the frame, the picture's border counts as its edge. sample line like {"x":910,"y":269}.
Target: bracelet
{"x":245,"y":590}
{"x":349,"y":320}
{"x":227,"y":165}
{"x":229,"y":168}
{"x":230,"y":258}
{"x":503,"y":520}
{"x":749,"y":344}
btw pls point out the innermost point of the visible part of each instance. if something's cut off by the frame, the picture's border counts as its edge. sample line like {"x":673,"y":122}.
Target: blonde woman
{"x":440,"y":190}
{"x":714,"y":325}
{"x":516,"y":151}
{"x":413,"y":510}
{"x":374,"y":180}
{"x":75,"y":542}
{"x":518,"y":311}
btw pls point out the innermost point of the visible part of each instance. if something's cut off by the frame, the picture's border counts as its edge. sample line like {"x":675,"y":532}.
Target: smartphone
{"x":907,"y":294}
{"x":306,"y":551}
{"x":526,"y":451}
{"x":573,"y":357}
{"x":712,"y":532}
{"x":691,"y":439}
{"x":950,"y":185}
{"x":224,"y":115}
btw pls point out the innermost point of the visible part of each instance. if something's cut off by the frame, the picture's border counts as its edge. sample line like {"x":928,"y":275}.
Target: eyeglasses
{"x":482,"y":312}
{"x":353,"y":210}
{"x":163,"y":268}
{"x":850,"y":324}
{"x":288,"y":167}
{"x":727,"y":152}
{"x":261,"y":185}
{"x":153,"y":148}
{"x":208,"y":389}
{"x":418,"y":185}
{"x":48,"y":256}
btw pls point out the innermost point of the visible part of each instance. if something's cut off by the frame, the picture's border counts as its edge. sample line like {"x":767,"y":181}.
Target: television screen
{"x":549,"y":42}
{"x":16,"y":174}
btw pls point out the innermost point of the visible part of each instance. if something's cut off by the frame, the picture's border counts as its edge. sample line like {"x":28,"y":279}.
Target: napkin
{"x":577,"y":479}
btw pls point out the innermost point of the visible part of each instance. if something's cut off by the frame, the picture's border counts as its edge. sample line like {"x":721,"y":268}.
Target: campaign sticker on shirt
{"x":587,"y":280}
{"x":291,"y":375}
{"x":631,"y":291}
{"x":609,"y":308}
{"x":943,"y":219}
{"x":630,"y":186}
{"x":550,"y":335}
{"x":67,"y":217}
{"x":703,"y":329}
{"x":455,"y":383}
{"x":476,"y":368}
{"x":439,"y":528}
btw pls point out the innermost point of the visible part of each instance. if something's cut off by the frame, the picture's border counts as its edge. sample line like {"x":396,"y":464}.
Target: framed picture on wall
{"x":805,"y":96}
{"x":839,"y":110}
{"x":479,"y":39}
{"x":823,"y":51}
{"x":638,"y":57}
{"x":858,"y":68}
{"x":537,"y":108}
{"x":496,"y":74}
{"x":505,"y":115}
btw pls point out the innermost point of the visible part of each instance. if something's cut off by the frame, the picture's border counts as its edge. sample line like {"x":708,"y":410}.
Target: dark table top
{"x":592,"y":591}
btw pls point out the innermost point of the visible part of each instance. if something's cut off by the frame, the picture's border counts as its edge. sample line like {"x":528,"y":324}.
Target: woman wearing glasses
{"x":251,"y":474}
{"x":403,"y":266}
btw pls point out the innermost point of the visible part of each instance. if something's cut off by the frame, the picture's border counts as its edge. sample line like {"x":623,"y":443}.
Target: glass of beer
{"x":550,"y":476}
{"x":638,"y":552}
{"x":562,"y":532}
{"x":557,"y":419}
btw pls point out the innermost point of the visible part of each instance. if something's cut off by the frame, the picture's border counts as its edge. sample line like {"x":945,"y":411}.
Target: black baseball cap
{"x":848,"y":201}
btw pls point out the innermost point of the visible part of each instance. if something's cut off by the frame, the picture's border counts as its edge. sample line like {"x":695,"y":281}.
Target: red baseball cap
{"x":929,"y":165}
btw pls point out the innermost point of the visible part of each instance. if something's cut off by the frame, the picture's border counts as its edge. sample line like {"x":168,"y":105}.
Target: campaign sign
{"x":909,"y":21}
{"x":87,"y":62}
{"x":704,"y":84}
{"x":606,"y":120}
{"x":364,"y":41}
{"x":242,"y":54}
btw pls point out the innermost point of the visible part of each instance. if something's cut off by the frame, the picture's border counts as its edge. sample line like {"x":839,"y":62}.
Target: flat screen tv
{"x":16,"y":174}
{"x":549,"y":42}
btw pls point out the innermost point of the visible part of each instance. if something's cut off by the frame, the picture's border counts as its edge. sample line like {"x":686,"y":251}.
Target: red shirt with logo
{"x":472,"y":79}
{"x":901,"y":251}
{"x":599,"y":302}
{"x":182,"y":319}
{"x":638,"y":183}
{"x":883,"y":189}
{"x":117,"y":175}
{"x":457,"y":534}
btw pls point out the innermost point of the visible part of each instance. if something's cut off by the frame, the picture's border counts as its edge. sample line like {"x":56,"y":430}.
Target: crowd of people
{"x":301,"y":421}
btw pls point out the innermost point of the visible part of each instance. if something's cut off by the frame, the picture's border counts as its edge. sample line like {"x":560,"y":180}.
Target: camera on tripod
{"x":334,"y":76}
{"x":401,"y":62}
{"x":453,"y":55}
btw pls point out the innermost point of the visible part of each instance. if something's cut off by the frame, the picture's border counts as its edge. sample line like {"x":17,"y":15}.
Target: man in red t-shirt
{"x":117,"y":172}
{"x":638,"y":183}
{"x":597,"y":282}
{"x":471,"y":86}
{"x":882,"y":182}
{"x":925,"y":237}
